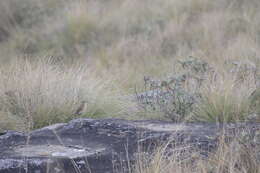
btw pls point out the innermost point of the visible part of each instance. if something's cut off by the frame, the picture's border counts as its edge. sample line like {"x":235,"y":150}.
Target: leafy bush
{"x":170,"y":97}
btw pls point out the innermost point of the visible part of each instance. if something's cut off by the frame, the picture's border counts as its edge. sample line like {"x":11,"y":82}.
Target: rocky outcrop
{"x":100,"y":146}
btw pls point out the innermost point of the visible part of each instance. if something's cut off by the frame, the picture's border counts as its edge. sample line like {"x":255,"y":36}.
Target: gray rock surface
{"x":98,"y":146}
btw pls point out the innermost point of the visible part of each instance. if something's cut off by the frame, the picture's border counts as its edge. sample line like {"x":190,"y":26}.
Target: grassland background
{"x":56,"y":53}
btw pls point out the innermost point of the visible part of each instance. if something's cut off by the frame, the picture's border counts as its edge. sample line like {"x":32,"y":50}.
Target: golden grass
{"x":224,"y":99}
{"x":41,"y":92}
{"x":120,"y":42}
{"x":235,"y":157}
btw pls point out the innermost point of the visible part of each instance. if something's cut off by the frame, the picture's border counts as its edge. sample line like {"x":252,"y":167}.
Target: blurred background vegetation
{"x":57,"y":53}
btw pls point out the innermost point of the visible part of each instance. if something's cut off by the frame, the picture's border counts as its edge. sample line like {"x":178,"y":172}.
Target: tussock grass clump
{"x":223,"y":100}
{"x":40,"y":93}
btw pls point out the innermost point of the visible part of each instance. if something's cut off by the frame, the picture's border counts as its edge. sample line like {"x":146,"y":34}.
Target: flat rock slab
{"x":98,"y":146}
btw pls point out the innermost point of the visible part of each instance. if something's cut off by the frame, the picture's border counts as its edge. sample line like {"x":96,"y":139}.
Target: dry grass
{"x":236,"y":157}
{"x":120,"y":42}
{"x":224,"y":100}
{"x":99,"y":51}
{"x":40,"y":93}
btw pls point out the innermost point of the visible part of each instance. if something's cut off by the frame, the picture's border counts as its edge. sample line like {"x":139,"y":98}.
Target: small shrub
{"x":170,"y":97}
{"x":174,"y":103}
